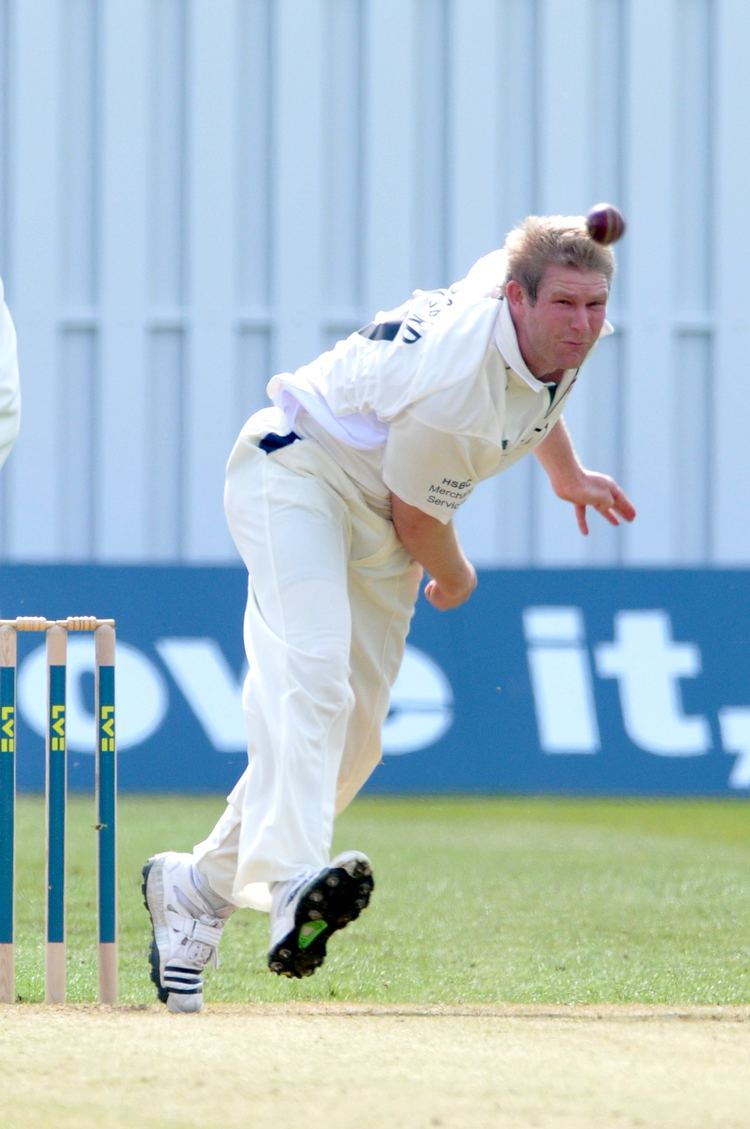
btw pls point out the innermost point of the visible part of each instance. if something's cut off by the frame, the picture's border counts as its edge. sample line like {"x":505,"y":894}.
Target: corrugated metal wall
{"x":196,"y":193}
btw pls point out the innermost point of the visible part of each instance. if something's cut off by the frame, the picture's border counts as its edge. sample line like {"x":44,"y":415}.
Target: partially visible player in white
{"x":340,"y":496}
{"x":10,"y":393}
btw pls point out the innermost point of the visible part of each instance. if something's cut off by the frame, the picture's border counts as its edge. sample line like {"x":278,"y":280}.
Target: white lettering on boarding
{"x":648,"y":665}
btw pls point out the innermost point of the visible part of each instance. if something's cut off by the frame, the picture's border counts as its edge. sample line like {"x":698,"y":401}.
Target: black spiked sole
{"x":335,"y":897}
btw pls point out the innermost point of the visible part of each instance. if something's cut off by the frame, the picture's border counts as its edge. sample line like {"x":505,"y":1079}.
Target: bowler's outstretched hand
{"x":602,"y":494}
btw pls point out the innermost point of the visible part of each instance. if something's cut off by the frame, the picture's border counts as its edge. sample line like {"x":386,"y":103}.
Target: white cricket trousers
{"x":331,"y":594}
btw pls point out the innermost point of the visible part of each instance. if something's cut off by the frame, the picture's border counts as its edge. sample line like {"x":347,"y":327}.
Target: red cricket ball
{"x":605,"y":223}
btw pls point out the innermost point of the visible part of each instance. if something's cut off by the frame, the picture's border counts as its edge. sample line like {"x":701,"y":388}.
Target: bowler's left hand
{"x":604,"y":495}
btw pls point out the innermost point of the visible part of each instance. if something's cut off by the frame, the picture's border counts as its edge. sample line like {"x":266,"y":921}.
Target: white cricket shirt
{"x":429,"y":398}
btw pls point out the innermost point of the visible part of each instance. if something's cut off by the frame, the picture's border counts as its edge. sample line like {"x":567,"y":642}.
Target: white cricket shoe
{"x":305,"y":911}
{"x":186,"y":930}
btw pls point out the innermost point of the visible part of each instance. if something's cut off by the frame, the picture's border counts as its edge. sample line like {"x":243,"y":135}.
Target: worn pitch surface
{"x":338,"y":1066}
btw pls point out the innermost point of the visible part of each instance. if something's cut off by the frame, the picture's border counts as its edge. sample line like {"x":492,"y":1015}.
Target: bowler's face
{"x":558,"y":331}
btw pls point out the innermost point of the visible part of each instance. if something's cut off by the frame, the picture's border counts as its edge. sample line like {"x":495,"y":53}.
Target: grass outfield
{"x":480,"y":900}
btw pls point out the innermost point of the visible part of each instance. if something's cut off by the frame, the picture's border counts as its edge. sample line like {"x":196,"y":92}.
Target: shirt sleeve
{"x":428,"y":468}
{"x":10,"y":394}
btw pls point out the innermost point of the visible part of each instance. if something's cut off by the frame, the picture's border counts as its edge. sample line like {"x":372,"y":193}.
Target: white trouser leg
{"x":292,"y":532}
{"x":216,"y":859}
{"x":330,"y":586}
{"x":383,"y":590}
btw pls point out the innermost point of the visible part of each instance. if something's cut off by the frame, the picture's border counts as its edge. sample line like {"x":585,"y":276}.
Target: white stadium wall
{"x":197,"y":193}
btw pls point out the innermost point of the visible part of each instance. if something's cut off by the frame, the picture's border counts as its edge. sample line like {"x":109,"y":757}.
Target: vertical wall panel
{"x":166,"y":156}
{"x":77,"y":426}
{"x":730,"y":462}
{"x":78,"y":201}
{"x":694,"y":160}
{"x":391,"y":124}
{"x":692,"y":422}
{"x":163,"y":517}
{"x":518,"y":51}
{"x":78,"y":340}
{"x":166,"y":389}
{"x":211,"y":423}
{"x":650,"y":363}
{"x":475,"y":118}
{"x":34,"y":168}
{"x":563,"y":106}
{"x":429,"y":171}
{"x":253,"y":152}
{"x":297,"y":163}
{"x":693,"y":182}
{"x":342,"y":219}
{"x":605,"y":107}
{"x":125,"y":479}
{"x":252,"y":368}
{"x":254,"y":207}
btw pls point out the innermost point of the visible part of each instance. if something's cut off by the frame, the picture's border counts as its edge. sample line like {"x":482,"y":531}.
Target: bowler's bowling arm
{"x":436,"y":547}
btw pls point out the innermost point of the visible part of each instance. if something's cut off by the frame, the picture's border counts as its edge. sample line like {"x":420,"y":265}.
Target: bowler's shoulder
{"x":486,"y":276}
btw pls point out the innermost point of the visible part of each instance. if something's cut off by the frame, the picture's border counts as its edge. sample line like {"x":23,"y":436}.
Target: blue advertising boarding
{"x":609,"y":682}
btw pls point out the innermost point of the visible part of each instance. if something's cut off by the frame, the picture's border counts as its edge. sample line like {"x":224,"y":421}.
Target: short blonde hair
{"x":540,"y":241}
